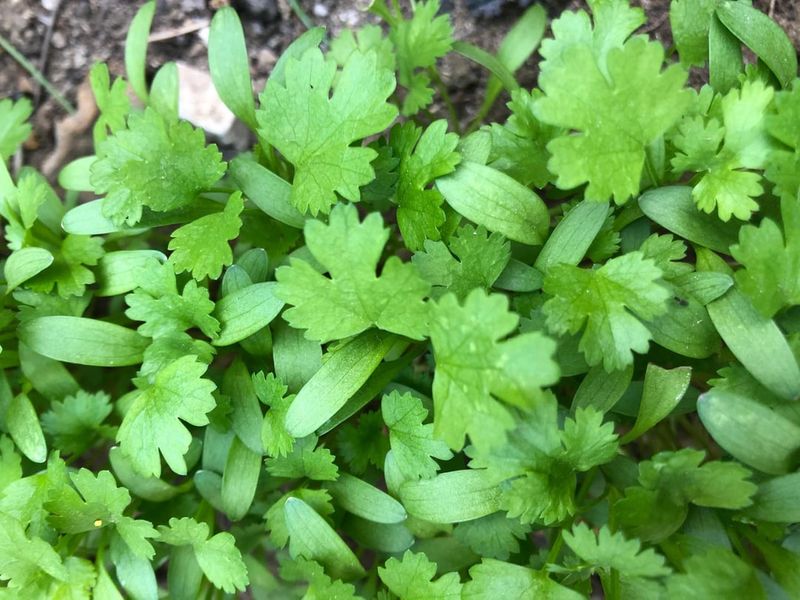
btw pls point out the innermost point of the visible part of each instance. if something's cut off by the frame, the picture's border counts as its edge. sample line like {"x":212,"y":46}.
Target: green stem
{"x":36,"y":74}
{"x":555,"y":548}
{"x":451,"y":108}
{"x":301,"y":14}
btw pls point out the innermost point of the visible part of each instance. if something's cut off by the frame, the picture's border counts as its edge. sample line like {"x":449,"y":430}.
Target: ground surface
{"x":68,"y":36}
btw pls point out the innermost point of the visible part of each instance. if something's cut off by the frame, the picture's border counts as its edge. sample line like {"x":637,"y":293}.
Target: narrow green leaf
{"x":452,"y":497}
{"x":117,"y":271}
{"x":366,"y":501}
{"x":519,"y":277}
{"x":572,"y":237}
{"x":757,"y":342}
{"x":489,"y":62}
{"x":25,"y":429}
{"x":209,"y":486}
{"x":24,"y":264}
{"x":47,"y":376}
{"x":751,"y":432}
{"x":268,"y":191}
{"x":245,"y":311}
{"x":706,"y":286}
{"x":230,"y":65}
{"x":245,"y":413}
{"x":340,"y":376}
{"x":239,"y":480}
{"x":493,"y":199}
{"x":763,"y":36}
{"x":88,"y":218}
{"x":136,"y":49}
{"x":393,"y":539}
{"x":663,"y":390}
{"x":75,"y":175}
{"x":296,"y":358}
{"x":380,"y":378}
{"x":164,"y":91}
{"x":601,"y":390}
{"x":83,"y":341}
{"x":674,"y":209}
{"x":150,"y":488}
{"x":776,"y":500}
{"x":724,"y":57}
{"x":685,"y":328}
{"x":311,"y":537}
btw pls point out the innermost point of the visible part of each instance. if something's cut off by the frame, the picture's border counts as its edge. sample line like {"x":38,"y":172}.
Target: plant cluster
{"x":383,"y":356}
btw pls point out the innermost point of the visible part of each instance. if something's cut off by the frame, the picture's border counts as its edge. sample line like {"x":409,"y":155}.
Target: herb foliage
{"x":383,"y":356}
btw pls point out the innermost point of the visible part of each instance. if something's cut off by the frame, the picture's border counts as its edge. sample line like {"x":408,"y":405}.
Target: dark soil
{"x":82,"y":32}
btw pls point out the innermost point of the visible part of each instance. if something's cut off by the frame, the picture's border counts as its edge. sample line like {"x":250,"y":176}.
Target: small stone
{"x":320,"y":10}
{"x":265,"y":59}
{"x":203,"y":35}
{"x":199,"y":103}
{"x":58,"y":40}
{"x":49,"y":5}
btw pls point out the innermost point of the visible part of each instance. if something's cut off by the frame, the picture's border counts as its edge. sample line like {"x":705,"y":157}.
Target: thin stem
{"x":36,"y":74}
{"x":301,"y":14}
{"x":451,"y":108}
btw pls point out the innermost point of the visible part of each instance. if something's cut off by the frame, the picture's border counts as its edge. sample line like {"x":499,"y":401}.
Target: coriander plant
{"x":389,"y":355}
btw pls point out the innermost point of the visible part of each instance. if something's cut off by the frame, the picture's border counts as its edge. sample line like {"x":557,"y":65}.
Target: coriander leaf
{"x":218,"y":556}
{"x":612,"y":551}
{"x":14,"y":126}
{"x":98,"y":503}
{"x":305,"y":460}
{"x":493,"y":536}
{"x":725,"y":184}
{"x":418,"y":43}
{"x":353,"y":299}
{"x":112,"y":102}
{"x":496,"y":579}
{"x":540,"y":461}
{"x":320,"y":586}
{"x":587,"y":440}
{"x":155,"y":163}
{"x":27,"y":563}
{"x":315,"y":130}
{"x":368,"y":37}
{"x":424,"y":156}
{"x":771,"y":277}
{"x":76,"y":422}
{"x":716,"y":484}
{"x":481,"y":258}
{"x":614,"y":21}
{"x":363,"y":444}
{"x":169,"y":347}
{"x":716,"y":573}
{"x":202,"y":245}
{"x":667,"y":254}
{"x":153,"y":421}
{"x":610,"y":150}
{"x":271,"y":391}
{"x":783,"y":163}
{"x":473,"y":365}
{"x":319,"y":500}
{"x":412,"y":579}
{"x":519,"y":148}
{"x":163,"y":311}
{"x":411,"y":440}
{"x":669,"y":482}
{"x":606,"y":300}
{"x":68,"y":273}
